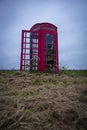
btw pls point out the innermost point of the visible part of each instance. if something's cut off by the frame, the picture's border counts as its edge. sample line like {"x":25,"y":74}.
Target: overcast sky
{"x":70,"y":16}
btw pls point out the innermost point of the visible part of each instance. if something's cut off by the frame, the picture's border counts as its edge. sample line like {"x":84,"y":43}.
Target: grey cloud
{"x":69,"y":16}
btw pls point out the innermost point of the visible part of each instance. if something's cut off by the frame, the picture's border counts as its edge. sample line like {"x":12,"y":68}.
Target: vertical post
{"x":57,"y":56}
{"x":24,"y":48}
{"x":21,"y":57}
{"x":42,"y":51}
{"x":39,"y":51}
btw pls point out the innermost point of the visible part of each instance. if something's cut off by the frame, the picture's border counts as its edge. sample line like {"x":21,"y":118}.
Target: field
{"x":43,"y":101}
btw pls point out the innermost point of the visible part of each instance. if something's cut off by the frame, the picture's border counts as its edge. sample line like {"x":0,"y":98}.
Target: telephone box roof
{"x":44,"y":25}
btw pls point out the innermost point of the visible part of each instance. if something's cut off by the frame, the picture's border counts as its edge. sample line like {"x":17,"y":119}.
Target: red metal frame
{"x":34,"y":45}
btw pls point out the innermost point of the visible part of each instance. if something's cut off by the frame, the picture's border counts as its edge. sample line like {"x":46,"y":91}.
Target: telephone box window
{"x":50,"y":52}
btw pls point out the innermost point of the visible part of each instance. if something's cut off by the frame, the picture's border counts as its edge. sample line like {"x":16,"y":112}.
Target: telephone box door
{"x":29,"y":51}
{"x":51,"y":52}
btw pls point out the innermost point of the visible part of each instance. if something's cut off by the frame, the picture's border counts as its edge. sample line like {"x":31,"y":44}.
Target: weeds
{"x":50,"y":86}
{"x":37,"y":82}
{"x":19,"y":93}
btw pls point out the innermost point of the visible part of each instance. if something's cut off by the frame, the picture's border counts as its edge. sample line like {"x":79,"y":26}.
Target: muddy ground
{"x":42,"y":101}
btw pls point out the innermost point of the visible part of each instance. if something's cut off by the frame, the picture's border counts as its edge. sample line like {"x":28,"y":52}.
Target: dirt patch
{"x":43,"y":101}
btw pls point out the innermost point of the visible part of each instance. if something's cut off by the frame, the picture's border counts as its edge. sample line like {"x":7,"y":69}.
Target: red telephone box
{"x":39,"y":48}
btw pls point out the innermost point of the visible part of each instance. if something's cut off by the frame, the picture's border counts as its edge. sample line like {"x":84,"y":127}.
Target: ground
{"x":43,"y":101}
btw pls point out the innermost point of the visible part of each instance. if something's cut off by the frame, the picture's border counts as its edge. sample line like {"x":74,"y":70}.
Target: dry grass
{"x":42,"y":101}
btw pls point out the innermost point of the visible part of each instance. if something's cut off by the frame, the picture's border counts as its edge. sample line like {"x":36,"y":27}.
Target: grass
{"x":63,"y":71}
{"x":8,"y":71}
{"x":43,"y":101}
{"x":19,"y":93}
{"x":74,"y":72}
